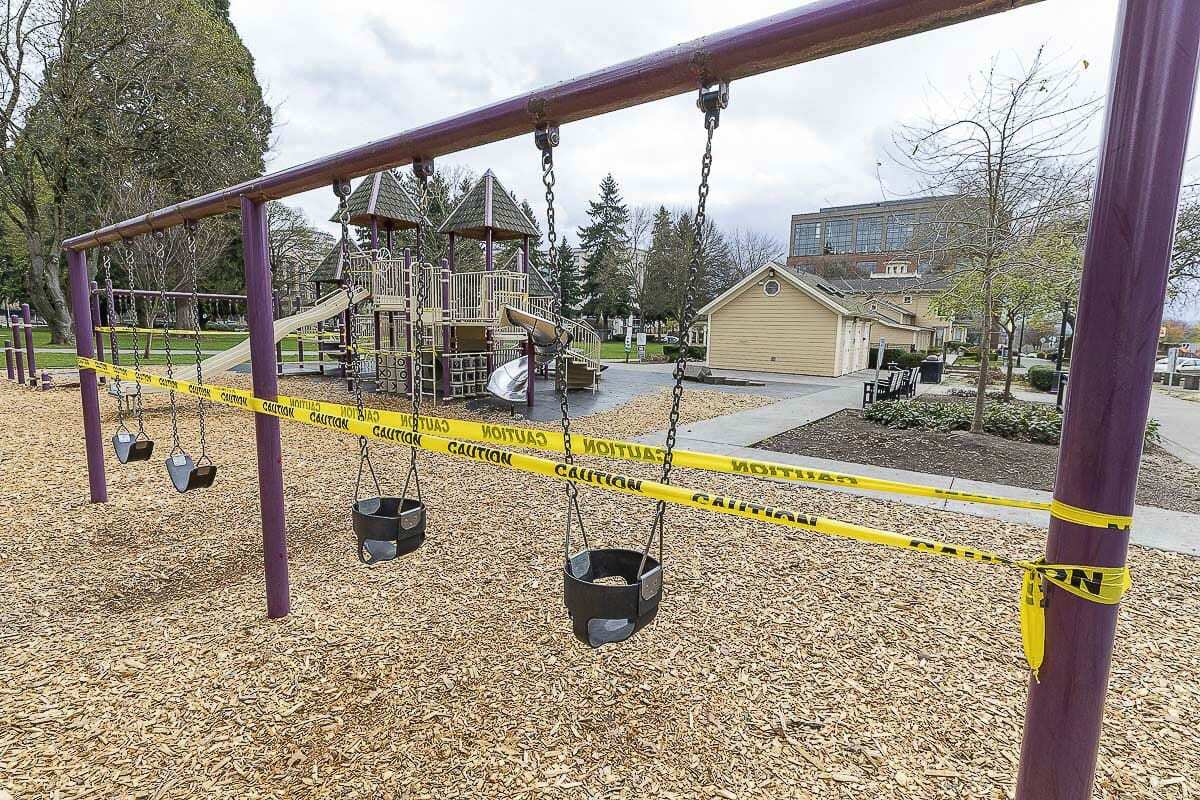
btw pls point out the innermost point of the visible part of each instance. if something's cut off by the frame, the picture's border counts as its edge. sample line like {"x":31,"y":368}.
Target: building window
{"x":838,"y":235}
{"x":806,"y":239}
{"x":908,"y":299}
{"x":866,"y":267}
{"x":900,"y":231}
{"x":771,"y":288}
{"x":869,"y":237}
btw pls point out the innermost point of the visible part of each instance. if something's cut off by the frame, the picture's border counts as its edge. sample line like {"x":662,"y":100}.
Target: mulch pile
{"x":137,"y":660}
{"x":1163,"y":481}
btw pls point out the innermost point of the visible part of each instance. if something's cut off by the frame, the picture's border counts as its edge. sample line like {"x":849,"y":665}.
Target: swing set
{"x":1155,"y":58}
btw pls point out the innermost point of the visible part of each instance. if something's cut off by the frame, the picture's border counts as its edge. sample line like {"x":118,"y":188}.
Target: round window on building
{"x":771,"y":288}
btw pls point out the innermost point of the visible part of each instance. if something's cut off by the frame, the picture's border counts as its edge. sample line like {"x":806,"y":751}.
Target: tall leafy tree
{"x":109,"y":103}
{"x":661,"y":256}
{"x":603,"y":242}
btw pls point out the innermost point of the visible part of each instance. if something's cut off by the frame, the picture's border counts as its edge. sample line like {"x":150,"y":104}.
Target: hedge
{"x":671,"y":351}
{"x":1041,"y":377}
{"x":903,"y":358}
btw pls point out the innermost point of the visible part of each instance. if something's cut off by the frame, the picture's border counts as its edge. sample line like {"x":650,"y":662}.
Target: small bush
{"x":1041,"y":377}
{"x":902,"y":358}
{"x":671,"y":352}
{"x":1153,"y":431}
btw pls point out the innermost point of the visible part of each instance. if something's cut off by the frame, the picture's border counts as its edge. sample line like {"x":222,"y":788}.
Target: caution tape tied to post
{"x":1096,"y":584}
{"x":516,"y":436}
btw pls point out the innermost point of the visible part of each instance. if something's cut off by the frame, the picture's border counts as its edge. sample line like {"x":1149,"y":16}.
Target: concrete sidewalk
{"x":733,"y":435}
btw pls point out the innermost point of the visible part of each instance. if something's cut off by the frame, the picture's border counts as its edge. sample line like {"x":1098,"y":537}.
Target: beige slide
{"x":328,"y":306}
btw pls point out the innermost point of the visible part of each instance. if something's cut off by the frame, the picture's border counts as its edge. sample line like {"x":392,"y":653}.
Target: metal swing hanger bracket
{"x":423,"y":168}
{"x":546,"y":136}
{"x":713,"y":97}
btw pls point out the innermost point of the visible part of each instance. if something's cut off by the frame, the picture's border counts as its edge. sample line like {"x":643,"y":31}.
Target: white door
{"x":847,"y":360}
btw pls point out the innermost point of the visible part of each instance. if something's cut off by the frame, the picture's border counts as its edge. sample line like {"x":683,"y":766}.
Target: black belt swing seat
{"x":604,"y":613}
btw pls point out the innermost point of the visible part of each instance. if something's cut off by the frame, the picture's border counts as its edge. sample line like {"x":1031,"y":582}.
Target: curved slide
{"x":328,"y":306}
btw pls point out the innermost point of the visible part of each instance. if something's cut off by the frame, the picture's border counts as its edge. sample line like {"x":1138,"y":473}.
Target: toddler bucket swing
{"x":129,"y":447}
{"x":606,"y":613}
{"x":385,"y":527}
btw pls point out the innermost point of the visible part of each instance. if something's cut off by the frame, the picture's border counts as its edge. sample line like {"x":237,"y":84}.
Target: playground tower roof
{"x":489,"y":205}
{"x":382,"y":197}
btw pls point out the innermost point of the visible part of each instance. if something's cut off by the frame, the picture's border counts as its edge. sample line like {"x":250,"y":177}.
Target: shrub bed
{"x":671,"y":352}
{"x":902,"y":358}
{"x":1031,"y":422}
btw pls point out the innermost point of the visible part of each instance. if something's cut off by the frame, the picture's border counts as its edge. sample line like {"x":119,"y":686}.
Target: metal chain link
{"x":139,"y":411}
{"x":423,"y":171}
{"x":364,"y":450}
{"x":193,"y":276}
{"x":546,"y":137}
{"x":710,"y":101}
{"x":106,"y":261}
{"x":160,"y":255}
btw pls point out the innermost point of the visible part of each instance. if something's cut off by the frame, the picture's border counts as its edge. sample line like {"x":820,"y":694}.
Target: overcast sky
{"x":344,"y":73}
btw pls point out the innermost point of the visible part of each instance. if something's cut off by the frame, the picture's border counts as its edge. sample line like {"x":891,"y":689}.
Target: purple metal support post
{"x":9,"y":366}
{"x":81,"y":310}
{"x":31,"y":357}
{"x":266,"y":386}
{"x":1120,"y":305}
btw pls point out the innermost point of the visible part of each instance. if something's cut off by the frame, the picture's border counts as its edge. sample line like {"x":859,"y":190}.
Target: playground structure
{"x":465,"y":340}
{"x":1125,"y":266}
{"x":20,"y":359}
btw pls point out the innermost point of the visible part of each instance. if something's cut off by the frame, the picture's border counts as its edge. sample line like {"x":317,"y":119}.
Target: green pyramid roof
{"x":382,"y":197}
{"x":536,"y":286}
{"x":330,"y":268}
{"x":488,"y":205}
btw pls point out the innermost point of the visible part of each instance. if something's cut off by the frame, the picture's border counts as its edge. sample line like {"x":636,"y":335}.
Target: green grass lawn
{"x":615,"y":351}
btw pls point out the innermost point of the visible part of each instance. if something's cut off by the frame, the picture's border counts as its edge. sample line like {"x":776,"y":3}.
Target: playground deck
{"x":136,"y":656}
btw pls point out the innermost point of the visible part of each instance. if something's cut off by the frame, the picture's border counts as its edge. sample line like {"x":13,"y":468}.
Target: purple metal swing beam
{"x":792,"y":37}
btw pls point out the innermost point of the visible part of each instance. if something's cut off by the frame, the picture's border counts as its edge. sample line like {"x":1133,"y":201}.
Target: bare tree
{"x":1011,"y":160}
{"x":631,"y":262}
{"x":1184,"y":277}
{"x":750,"y":249}
{"x":295,"y":248}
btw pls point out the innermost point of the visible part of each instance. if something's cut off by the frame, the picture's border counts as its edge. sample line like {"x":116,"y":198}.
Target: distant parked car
{"x":1181,"y":363}
{"x":668,"y":339}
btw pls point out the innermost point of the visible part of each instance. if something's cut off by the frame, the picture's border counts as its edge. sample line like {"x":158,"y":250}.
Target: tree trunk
{"x":145,"y":321}
{"x":46,"y":292}
{"x":185,"y":310}
{"x":985,"y":344}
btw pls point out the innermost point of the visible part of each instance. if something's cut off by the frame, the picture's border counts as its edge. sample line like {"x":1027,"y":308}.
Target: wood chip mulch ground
{"x":137,"y":661}
{"x":1163,"y":481}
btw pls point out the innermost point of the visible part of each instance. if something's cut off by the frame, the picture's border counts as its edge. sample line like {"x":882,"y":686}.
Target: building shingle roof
{"x":897,"y":283}
{"x":488,"y":205}
{"x":382,"y":197}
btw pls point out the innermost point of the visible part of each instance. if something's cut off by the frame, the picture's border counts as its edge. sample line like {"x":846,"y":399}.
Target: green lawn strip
{"x":615,"y":351}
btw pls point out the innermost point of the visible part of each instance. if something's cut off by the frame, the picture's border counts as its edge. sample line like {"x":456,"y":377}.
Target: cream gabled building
{"x":780,"y":320}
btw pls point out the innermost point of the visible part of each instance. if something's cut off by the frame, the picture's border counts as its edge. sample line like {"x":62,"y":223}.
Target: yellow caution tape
{"x":515,"y":436}
{"x":1094,"y":519}
{"x":1096,"y":584}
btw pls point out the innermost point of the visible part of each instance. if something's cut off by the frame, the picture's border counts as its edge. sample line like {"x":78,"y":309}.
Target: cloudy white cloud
{"x":348,"y":72}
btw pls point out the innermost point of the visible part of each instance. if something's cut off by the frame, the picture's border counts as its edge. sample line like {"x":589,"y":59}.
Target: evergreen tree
{"x":567,"y":276}
{"x":659,"y":266}
{"x":602,"y":240}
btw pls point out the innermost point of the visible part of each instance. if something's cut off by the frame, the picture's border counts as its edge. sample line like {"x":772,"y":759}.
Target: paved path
{"x":1180,"y":420}
{"x":735,"y":434}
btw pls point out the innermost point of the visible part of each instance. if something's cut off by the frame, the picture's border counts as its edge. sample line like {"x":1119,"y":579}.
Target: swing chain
{"x":160,"y":255}
{"x":710,"y":101}
{"x":342,"y":190}
{"x":546,"y":138}
{"x":139,"y":411}
{"x":106,"y":261}
{"x":193,"y":276}
{"x":423,"y":171}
